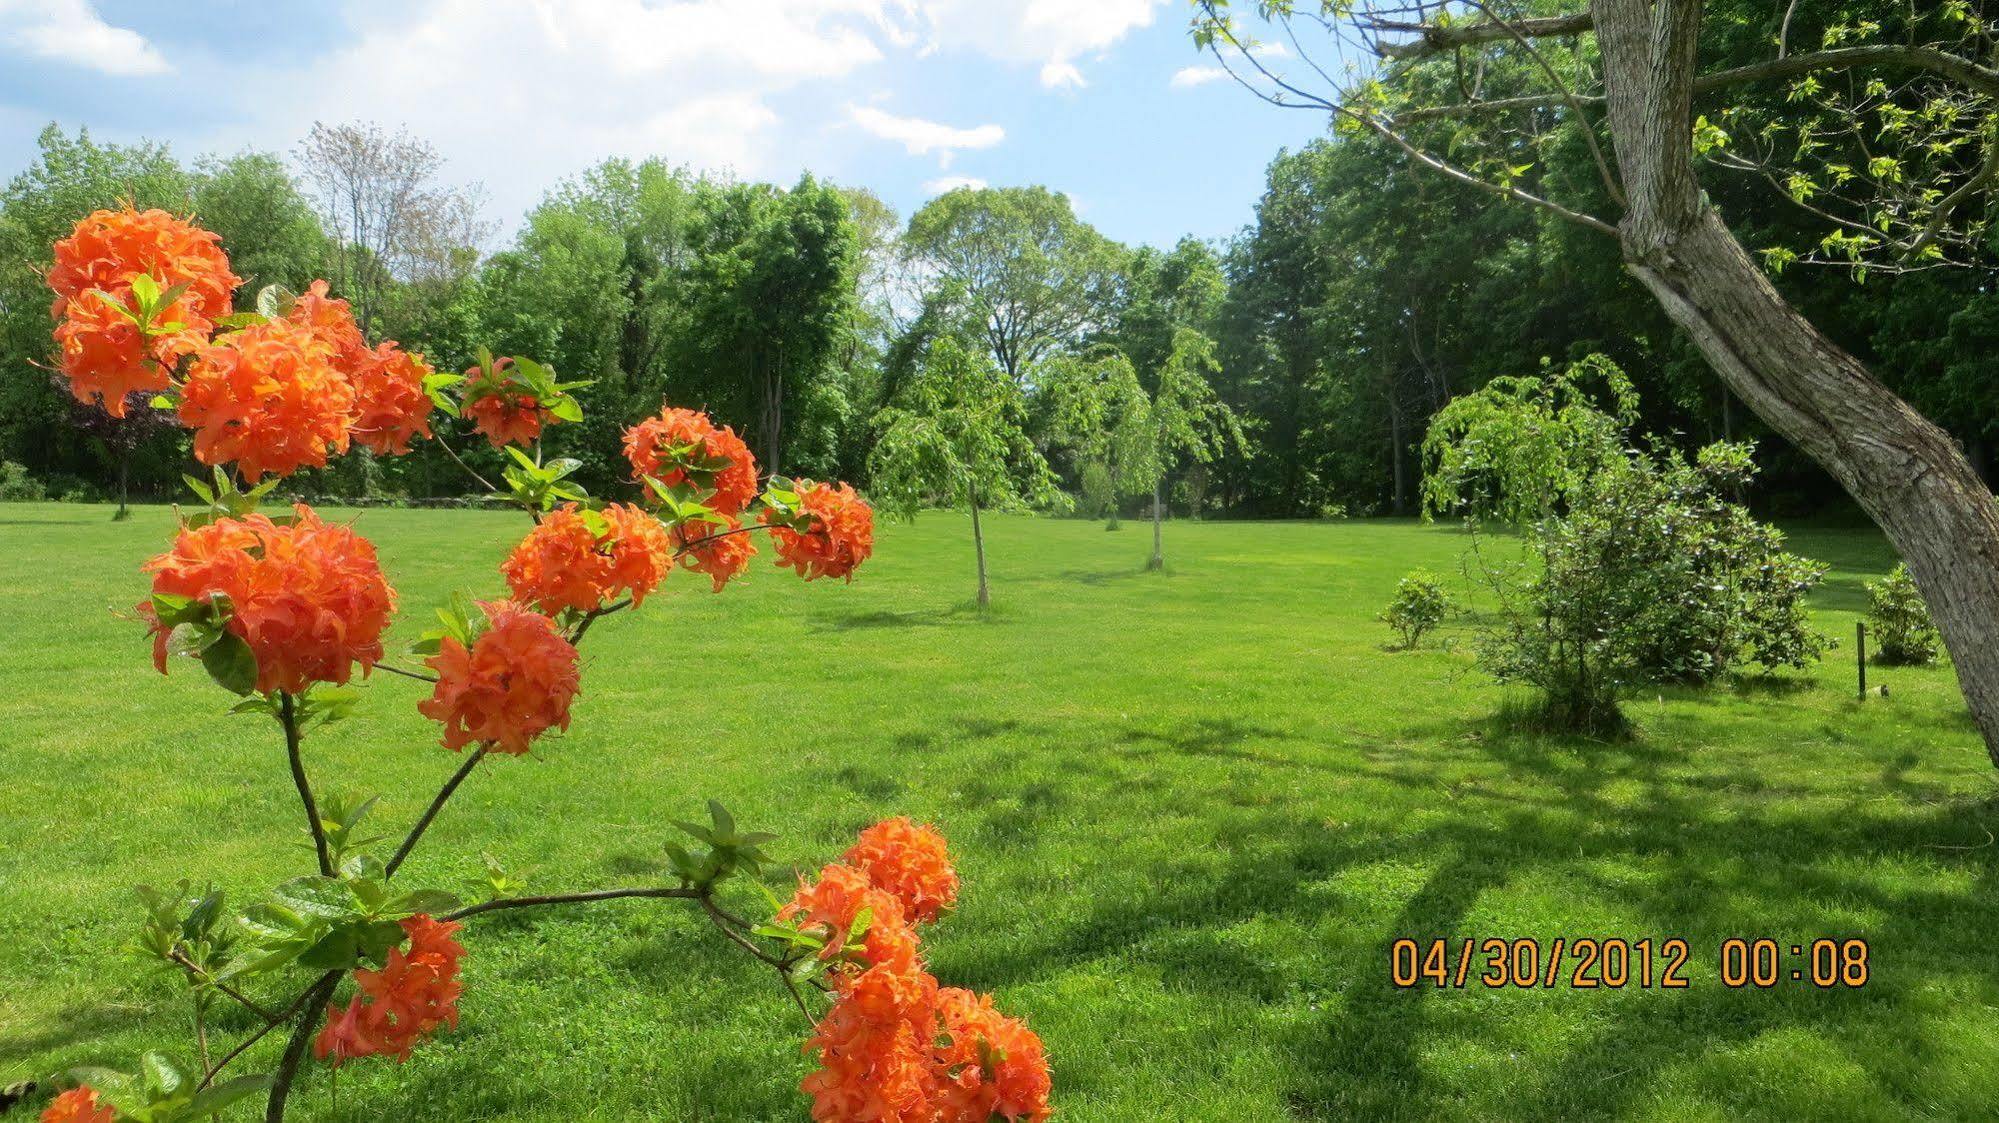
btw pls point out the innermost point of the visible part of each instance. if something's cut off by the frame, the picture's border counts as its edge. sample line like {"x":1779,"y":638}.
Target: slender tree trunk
{"x":1905,"y":471}
{"x":1158,"y":560}
{"x":1396,"y":454}
{"x":979,"y":550}
{"x":124,"y":487}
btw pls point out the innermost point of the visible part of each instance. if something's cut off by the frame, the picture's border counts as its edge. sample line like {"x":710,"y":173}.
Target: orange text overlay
{"x":1591,"y":963}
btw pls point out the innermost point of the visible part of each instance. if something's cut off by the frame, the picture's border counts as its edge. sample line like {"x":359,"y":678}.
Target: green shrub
{"x":1900,"y":622}
{"x":1420,"y":604}
{"x":17,"y":486}
{"x":1651,"y":576}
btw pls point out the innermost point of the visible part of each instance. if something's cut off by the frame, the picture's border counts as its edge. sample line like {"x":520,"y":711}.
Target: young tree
{"x":1097,"y":409}
{"x":1184,"y":420}
{"x":958,"y":435}
{"x":1636,"y":87}
{"x":1018,"y":262}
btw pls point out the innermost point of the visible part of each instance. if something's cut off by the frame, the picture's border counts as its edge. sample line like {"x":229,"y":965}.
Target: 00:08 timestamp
{"x":1587,"y":963}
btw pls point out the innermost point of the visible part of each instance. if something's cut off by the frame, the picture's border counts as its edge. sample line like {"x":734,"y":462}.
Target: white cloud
{"x":919,"y":137}
{"x":1050,"y":34}
{"x":1187,"y":77}
{"x":520,"y":95}
{"x":942,"y":184}
{"x":71,"y":31}
{"x":1060,"y":75}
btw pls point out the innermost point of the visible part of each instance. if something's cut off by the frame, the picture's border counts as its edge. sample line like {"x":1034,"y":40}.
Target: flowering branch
{"x":500,"y":903}
{"x":288,"y":717}
{"x":429,"y":813}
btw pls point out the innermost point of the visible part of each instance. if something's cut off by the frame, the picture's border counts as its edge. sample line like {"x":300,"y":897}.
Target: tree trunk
{"x":1906,"y":472}
{"x":1158,"y":516}
{"x":979,"y":550}
{"x":124,"y":487}
{"x":1397,"y":455}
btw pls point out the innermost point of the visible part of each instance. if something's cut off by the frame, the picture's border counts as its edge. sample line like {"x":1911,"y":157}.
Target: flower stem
{"x":570,"y":899}
{"x":429,"y":813}
{"x":288,"y":717}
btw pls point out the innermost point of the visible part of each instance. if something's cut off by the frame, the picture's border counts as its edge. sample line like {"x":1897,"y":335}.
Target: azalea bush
{"x":351,"y":962}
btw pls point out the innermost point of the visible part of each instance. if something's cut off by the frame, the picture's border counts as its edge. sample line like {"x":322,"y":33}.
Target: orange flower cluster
{"x":720,"y":550}
{"x":895,"y":1046}
{"x":713,"y":459}
{"x":515,"y":683}
{"x":840,"y":538}
{"x":911,"y":862}
{"x":565,"y":563}
{"x":501,"y":410}
{"x":413,"y":994}
{"x":269,"y":399}
{"x":103,"y":354}
{"x":390,"y":405}
{"x":308,"y":598}
{"x":78,"y":1105}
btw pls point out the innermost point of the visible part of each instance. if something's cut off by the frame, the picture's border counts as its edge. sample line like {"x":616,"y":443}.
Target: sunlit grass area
{"x":1191,"y":811}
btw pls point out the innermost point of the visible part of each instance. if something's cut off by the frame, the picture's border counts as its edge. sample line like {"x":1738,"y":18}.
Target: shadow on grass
{"x":1717,"y":853}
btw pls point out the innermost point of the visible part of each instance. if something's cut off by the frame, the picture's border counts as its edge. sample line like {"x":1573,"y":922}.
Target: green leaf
{"x":211,"y":1100}
{"x":231,"y":663}
{"x":327,"y":897}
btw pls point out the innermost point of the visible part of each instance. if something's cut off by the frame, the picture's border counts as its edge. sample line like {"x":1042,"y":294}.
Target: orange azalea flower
{"x":108,"y":248}
{"x":269,"y":399}
{"x":992,"y":1065}
{"x":515,"y":683}
{"x":308,"y":598}
{"x":909,"y":862}
{"x":875,"y":1050}
{"x":649,"y":446}
{"x":719,"y":550}
{"x":106,"y":357}
{"x":78,"y":1105}
{"x":565,"y":564}
{"x":413,"y":994}
{"x":390,"y":405}
{"x":841,"y":536}
{"x":837,"y":898}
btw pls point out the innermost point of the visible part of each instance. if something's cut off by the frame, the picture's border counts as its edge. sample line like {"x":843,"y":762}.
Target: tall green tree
{"x":1018,"y":265}
{"x":768,"y":304}
{"x":957,"y":435}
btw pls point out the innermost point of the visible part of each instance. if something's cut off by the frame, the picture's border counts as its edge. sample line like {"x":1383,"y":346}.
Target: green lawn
{"x":1191,"y":810}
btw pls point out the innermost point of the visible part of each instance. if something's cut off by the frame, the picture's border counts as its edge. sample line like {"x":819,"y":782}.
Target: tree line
{"x":1363,"y":297}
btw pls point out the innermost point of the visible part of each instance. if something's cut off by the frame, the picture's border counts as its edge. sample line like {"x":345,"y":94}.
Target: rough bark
{"x":1904,"y":471}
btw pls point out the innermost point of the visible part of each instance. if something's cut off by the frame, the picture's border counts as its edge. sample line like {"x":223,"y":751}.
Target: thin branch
{"x":1526,"y":43}
{"x":1985,"y":174}
{"x":270,"y":1024}
{"x":195,"y":969}
{"x":406,"y":673}
{"x":570,"y":899}
{"x":1431,"y":39}
{"x":456,"y":459}
{"x":436,"y":805}
{"x":1452,"y":171}
{"x":288,"y":717}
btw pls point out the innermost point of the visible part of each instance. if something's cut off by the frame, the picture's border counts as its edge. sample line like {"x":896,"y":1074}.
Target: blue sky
{"x":1103,"y":99}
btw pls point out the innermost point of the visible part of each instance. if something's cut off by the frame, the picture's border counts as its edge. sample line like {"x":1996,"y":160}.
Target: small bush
{"x":1420,"y":604}
{"x":17,"y":486}
{"x":1904,"y":634}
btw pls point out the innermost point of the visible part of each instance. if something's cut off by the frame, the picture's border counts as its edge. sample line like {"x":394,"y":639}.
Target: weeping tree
{"x":957,"y":436}
{"x":1607,"y":116}
{"x":1185,"y":420}
{"x":1099,"y":413}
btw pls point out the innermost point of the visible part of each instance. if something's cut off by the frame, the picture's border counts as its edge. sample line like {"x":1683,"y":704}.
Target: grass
{"x":1191,"y":811}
